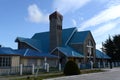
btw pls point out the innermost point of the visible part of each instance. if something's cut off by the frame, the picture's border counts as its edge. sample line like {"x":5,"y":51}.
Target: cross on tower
{"x":89,"y":49}
{"x":89,"y":46}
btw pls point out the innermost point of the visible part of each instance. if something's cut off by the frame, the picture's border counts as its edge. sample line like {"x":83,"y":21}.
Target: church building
{"x":66,"y":44}
{"x":55,"y":46}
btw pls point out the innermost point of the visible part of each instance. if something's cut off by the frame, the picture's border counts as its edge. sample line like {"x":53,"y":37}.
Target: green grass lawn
{"x":91,"y":71}
{"x":56,"y":74}
{"x":40,"y":76}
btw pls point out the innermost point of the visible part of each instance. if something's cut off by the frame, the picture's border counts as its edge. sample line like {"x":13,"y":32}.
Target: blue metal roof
{"x":32,"y":42}
{"x":24,"y":53}
{"x":7,"y":51}
{"x":66,"y":33}
{"x":69,"y":52}
{"x":44,"y":37}
{"x":41,"y":36}
{"x":33,"y":53}
{"x":41,"y":41}
{"x":101,"y":55}
{"x":79,"y":37}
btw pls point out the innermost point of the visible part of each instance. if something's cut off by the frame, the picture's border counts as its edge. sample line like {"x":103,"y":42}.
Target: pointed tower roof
{"x":56,"y":14}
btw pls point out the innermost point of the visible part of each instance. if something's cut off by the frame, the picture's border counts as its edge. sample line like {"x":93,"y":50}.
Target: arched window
{"x":90,"y":43}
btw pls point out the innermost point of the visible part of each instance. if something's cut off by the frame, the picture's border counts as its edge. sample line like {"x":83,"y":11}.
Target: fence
{"x":25,"y":70}
{"x":99,"y":65}
{"x":15,"y":70}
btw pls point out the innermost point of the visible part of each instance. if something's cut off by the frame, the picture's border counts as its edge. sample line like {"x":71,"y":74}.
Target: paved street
{"x":113,"y":74}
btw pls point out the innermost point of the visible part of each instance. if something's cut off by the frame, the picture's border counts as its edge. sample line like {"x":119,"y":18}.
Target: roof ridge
{"x":69,"y":28}
{"x":70,"y":36}
{"x":85,"y":31}
{"x":23,"y":38}
{"x":26,"y":52}
{"x":39,"y":33}
{"x":42,"y":32}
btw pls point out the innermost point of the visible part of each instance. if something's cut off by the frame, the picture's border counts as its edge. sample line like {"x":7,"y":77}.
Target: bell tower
{"x":55,"y":30}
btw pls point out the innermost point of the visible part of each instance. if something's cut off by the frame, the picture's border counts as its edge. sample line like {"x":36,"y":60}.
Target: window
{"x":5,"y":61}
{"x":59,"y":27}
{"x":90,"y":43}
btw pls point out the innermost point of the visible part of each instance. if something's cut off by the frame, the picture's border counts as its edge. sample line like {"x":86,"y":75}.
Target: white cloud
{"x":99,"y":46}
{"x":74,"y":22}
{"x":107,"y":15}
{"x":65,"y":6}
{"x":104,"y":28}
{"x":102,"y":1}
{"x":104,"y":22}
{"x":113,"y":3}
{"x":35,"y":14}
{"x":81,"y":18}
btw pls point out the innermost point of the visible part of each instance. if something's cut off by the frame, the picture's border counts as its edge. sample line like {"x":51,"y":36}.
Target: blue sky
{"x":23,"y":18}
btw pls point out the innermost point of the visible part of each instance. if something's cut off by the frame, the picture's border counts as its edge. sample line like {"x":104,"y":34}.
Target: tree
{"x":112,"y":47}
{"x":116,"y":40}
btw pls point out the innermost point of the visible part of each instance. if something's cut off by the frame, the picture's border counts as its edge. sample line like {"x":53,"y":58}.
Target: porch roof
{"x":69,"y":52}
{"x":101,"y":55}
{"x":33,"y":53}
{"x":7,"y":51}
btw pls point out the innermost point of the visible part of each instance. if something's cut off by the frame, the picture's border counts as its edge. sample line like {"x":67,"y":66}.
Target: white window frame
{"x":5,"y":61}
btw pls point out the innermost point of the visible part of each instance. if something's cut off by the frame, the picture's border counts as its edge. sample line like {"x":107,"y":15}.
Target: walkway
{"x":111,"y":74}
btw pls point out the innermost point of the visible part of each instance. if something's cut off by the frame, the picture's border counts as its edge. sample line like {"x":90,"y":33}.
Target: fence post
{"x":98,"y":64}
{"x":33,"y":68}
{"x":113,"y":64}
{"x":79,"y":65}
{"x":103,"y":64}
{"x":21,"y":69}
{"x":116,"y":64}
{"x":47,"y":67}
{"x":59,"y":67}
{"x":91,"y":64}
{"x":108,"y":64}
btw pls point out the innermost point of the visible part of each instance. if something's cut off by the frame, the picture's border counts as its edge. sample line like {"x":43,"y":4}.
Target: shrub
{"x":95,"y":65}
{"x":71,"y":68}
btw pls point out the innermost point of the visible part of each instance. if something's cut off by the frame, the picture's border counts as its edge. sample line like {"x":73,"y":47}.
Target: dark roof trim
{"x":10,"y":55}
{"x":77,"y":43}
{"x":38,"y":57}
{"x":53,"y":50}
